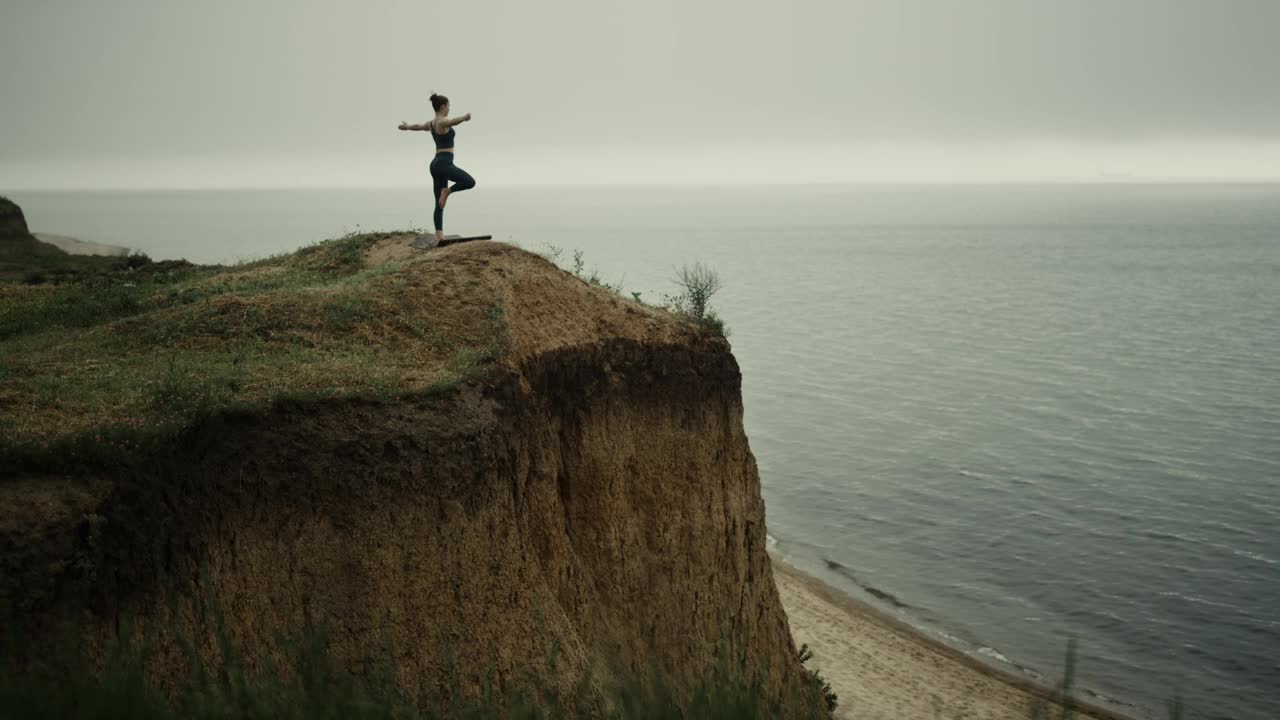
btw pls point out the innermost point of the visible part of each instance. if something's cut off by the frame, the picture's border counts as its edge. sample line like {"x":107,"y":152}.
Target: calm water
{"x":1025,"y":412}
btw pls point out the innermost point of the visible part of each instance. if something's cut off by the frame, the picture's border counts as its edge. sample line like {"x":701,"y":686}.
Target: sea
{"x":1012,"y":415}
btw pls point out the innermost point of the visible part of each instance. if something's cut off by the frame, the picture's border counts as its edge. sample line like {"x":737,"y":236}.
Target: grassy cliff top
{"x":93,"y":373}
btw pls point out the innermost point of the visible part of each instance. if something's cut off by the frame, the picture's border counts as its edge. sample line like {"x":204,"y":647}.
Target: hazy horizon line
{"x":621,"y":185}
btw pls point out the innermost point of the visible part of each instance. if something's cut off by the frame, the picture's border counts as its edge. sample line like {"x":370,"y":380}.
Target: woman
{"x":442,"y":168}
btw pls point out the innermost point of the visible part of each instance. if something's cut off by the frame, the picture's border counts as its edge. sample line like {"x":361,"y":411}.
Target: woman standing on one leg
{"x":442,"y":168}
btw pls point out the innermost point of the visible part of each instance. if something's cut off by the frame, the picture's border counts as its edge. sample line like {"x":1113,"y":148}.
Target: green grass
{"x":120,"y":294}
{"x":821,"y":686}
{"x":182,"y":396}
{"x":692,"y":301}
{"x":29,"y":261}
{"x":99,"y":372}
{"x":73,"y":305}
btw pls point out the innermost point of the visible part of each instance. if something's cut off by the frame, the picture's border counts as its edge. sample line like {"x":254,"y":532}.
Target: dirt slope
{"x":591,"y":497}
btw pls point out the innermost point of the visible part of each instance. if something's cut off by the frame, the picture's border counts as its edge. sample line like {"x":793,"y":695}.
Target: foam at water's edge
{"x":988,"y":659}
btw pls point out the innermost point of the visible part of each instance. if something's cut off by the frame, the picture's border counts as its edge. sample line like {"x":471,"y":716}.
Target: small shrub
{"x":553,"y":253}
{"x":697,"y":285}
{"x":829,"y":698}
{"x":715,"y":324}
{"x":580,"y":270}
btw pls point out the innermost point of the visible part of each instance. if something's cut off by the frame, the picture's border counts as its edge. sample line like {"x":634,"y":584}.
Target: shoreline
{"x":883,"y":667}
{"x":74,"y":246}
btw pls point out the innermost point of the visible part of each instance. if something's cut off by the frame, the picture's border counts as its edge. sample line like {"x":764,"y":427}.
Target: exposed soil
{"x":592,"y":497}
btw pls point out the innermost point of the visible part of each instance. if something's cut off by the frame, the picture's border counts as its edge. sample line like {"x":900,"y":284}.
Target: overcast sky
{"x":172,"y":93}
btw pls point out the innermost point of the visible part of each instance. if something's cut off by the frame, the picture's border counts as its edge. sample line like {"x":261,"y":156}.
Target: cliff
{"x":15,"y":237}
{"x":513,"y":471}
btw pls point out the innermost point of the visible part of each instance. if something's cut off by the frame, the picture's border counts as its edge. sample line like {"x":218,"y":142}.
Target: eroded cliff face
{"x":592,"y":499}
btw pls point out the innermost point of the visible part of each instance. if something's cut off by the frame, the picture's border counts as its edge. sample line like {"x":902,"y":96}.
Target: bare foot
{"x":444,"y":195}
{"x":440,"y":235}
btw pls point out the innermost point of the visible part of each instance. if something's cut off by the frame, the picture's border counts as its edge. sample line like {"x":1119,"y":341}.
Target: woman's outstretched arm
{"x":404,"y":126}
{"x":458,"y":120}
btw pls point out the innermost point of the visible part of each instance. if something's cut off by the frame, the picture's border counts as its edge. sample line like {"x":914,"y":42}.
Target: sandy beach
{"x":882,"y":669}
{"x":73,"y":246}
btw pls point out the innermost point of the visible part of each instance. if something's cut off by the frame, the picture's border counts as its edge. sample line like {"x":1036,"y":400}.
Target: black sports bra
{"x":443,"y":142}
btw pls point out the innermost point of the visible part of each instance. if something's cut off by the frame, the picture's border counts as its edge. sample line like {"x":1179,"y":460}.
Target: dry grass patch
{"x":96,"y":374}
{"x":318,"y":324}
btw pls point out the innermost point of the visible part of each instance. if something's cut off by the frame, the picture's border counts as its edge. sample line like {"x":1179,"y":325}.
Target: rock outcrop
{"x":15,"y":237}
{"x":590,"y":503}
{"x":13,"y":226}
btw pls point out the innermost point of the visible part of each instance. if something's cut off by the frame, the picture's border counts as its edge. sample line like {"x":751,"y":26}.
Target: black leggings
{"x":442,"y":171}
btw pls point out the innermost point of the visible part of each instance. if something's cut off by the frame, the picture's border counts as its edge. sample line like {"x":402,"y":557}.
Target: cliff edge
{"x":15,"y":237}
{"x":470,"y":455}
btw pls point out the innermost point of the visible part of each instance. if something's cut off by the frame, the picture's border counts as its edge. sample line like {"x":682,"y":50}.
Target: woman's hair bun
{"x":438,"y":101}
